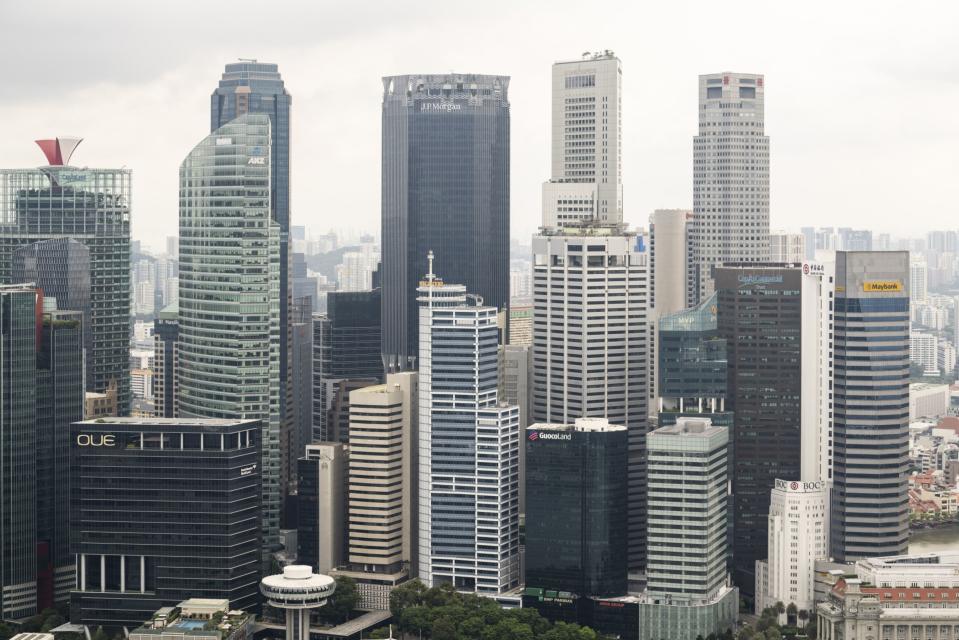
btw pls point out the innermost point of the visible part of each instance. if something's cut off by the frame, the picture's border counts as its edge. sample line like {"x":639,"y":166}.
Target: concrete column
{"x":83,"y":572}
{"x":103,"y":573}
{"x":143,"y":574}
{"x":123,"y":574}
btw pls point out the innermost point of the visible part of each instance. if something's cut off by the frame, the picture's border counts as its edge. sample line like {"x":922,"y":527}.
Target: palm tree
{"x":803,"y":616}
{"x":791,"y":613}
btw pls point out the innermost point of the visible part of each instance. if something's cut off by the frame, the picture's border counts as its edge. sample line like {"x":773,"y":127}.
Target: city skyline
{"x":881,"y":114}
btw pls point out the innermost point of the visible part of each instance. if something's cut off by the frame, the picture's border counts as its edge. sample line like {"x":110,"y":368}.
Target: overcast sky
{"x":862,"y":98}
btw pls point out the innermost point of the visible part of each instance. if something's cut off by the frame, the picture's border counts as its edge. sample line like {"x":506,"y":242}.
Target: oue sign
{"x":96,"y":440}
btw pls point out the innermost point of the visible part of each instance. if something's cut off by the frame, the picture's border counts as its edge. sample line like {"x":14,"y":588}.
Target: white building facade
{"x":468,"y":457}
{"x":586,"y":182}
{"x":798,"y":536}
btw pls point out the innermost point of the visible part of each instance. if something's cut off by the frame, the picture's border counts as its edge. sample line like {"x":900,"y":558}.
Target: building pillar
{"x":103,"y":573}
{"x":143,"y":573}
{"x":123,"y":574}
{"x":83,"y":572}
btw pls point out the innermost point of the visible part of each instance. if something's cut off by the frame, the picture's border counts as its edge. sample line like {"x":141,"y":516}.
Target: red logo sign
{"x":534,"y":436}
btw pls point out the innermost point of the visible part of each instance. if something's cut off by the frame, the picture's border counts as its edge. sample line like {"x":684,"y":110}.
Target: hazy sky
{"x":862,"y":98}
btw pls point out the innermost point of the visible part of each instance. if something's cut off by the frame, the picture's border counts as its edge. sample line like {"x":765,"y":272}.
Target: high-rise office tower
{"x":468,"y":448}
{"x":587,"y":142}
{"x":688,"y":592}
{"x":382,"y":485}
{"x":918,"y":280}
{"x":787,"y":247}
{"x":60,"y":267}
{"x":730,"y":178}
{"x":798,"y":537}
{"x":59,"y":403}
{"x":589,"y":359}
{"x":869,"y":505}
{"x":18,"y":441}
{"x":445,"y":189}
{"x":91,"y":206}
{"x":668,"y":273}
{"x":166,"y":330}
{"x":576,"y":507}
{"x":300,"y":433}
{"x":347,"y":343}
{"x":252,"y":87}
{"x":322,"y":486}
{"x":163,"y":510}
{"x":229,"y":311}
{"x":515,"y":379}
{"x":777,"y":323}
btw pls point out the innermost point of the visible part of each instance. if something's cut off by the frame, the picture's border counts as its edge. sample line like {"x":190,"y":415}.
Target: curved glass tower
{"x":229,"y":310}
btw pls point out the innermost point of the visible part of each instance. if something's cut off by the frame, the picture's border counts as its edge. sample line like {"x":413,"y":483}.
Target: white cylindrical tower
{"x":298,"y":590}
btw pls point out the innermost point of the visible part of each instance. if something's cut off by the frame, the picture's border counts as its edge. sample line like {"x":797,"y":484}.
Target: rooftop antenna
{"x":430,"y":276}
{"x":253,"y":60}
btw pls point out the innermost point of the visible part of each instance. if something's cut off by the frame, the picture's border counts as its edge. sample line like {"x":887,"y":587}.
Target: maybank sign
{"x":881,"y":286}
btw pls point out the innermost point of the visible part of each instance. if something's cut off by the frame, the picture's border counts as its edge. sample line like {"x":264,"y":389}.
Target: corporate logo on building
{"x":881,"y":286}
{"x":813,"y":269}
{"x":96,"y":440}
{"x":757,"y":279}
{"x":440,"y":106}
{"x":549,"y":435}
{"x":794,"y":486}
{"x":245,"y":471}
{"x":260,"y":160}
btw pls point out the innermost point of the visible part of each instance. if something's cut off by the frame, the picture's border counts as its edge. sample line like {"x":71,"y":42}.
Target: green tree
{"x":803,"y":616}
{"x":408,"y":594}
{"x":780,"y":608}
{"x":746,"y":633}
{"x":443,"y":629}
{"x":343,"y":601}
{"x":508,"y":629}
{"x":416,"y":619}
{"x":791,"y":612}
{"x":772,"y":633}
{"x":100,"y":634}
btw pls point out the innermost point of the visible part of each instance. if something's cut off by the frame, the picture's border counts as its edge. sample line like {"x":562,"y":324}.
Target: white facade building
{"x":468,"y":456}
{"x":786,"y":247}
{"x":589,"y":341}
{"x":668,"y":268}
{"x":918,"y":281}
{"x":586,"y":182}
{"x":798,"y":537}
{"x":928,"y":400}
{"x":946,"y":358}
{"x":730,"y":177}
{"x":923,"y":351}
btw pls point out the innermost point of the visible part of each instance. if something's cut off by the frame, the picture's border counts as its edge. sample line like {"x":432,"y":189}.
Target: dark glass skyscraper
{"x":93,"y":207}
{"x":60,"y":267}
{"x":869,"y":513}
{"x":18,"y":442}
{"x":760,"y":317}
{"x":163,"y":510}
{"x":445,"y":188}
{"x":346,"y":346}
{"x":576,"y":507}
{"x":59,"y":404}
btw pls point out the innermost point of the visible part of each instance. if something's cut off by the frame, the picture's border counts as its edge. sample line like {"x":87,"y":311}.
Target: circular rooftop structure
{"x":297,"y":588}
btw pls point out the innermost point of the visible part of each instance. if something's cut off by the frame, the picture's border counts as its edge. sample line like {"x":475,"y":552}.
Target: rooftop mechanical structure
{"x":298,"y":590}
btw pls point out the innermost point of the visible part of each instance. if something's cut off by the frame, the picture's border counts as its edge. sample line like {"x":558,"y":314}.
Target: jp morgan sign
{"x":96,"y":440}
{"x":799,"y":487}
{"x":440,"y":106}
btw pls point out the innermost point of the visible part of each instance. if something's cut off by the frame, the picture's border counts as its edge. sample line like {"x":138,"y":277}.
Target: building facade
{"x":870,"y":503}
{"x":730,"y":178}
{"x":589,"y":342}
{"x":346,"y":346}
{"x":165,"y":362}
{"x":91,"y":206}
{"x":576,"y":507}
{"x":445,"y":189}
{"x":787,"y":247}
{"x":161,"y":510}
{"x":688,"y":592}
{"x":468,"y":458}
{"x":322,"y":485}
{"x":586,"y":181}
{"x":228,"y":347}
{"x":798,"y":537}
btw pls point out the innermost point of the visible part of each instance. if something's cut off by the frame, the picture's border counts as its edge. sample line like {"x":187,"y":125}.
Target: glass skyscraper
{"x":229,"y":322}
{"x":576,"y":507}
{"x":91,"y":206}
{"x":249,"y":86}
{"x":445,"y":189}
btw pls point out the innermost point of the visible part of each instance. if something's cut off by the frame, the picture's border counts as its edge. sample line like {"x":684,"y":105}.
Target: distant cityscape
{"x":701,"y":428}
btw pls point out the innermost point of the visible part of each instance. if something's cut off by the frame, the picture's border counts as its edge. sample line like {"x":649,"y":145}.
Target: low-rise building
{"x":928,"y":400}
{"x":895,"y":598}
{"x":197,"y":619}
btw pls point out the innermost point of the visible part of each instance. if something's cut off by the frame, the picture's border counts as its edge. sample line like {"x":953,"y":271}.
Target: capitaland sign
{"x":549,"y":435}
{"x":759,"y":279}
{"x":96,"y":440}
{"x":440,"y":106}
{"x":796,"y":486}
{"x":881,"y":286}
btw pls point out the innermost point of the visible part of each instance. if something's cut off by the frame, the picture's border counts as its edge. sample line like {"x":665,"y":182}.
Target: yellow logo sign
{"x":879,"y":286}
